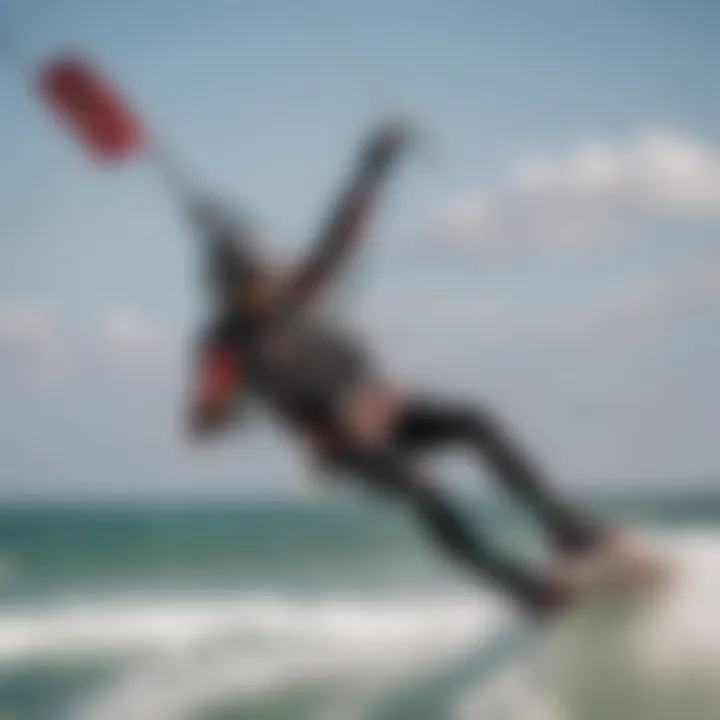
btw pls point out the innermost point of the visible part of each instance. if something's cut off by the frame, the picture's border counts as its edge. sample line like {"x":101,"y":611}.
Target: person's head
{"x":235,"y":270}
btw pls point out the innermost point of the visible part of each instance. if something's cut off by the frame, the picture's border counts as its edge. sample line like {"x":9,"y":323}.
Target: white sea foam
{"x":279,"y":643}
{"x":658,"y":661}
{"x":189,"y":653}
{"x":192,"y":653}
{"x":179,"y":624}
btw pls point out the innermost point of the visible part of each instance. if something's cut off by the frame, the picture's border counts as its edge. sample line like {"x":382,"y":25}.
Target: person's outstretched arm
{"x":344,"y":229}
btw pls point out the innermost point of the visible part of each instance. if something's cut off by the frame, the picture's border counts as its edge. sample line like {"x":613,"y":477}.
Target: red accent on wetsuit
{"x":218,"y":379}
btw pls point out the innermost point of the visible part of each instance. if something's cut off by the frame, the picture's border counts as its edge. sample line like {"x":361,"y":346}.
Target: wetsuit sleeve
{"x":343,"y":230}
{"x":217,"y":387}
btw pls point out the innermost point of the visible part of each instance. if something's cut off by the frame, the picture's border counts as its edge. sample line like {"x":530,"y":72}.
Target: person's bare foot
{"x":618,"y":540}
{"x":620,"y":559}
{"x":634,"y":562}
{"x":562,"y":589}
{"x":613,"y":540}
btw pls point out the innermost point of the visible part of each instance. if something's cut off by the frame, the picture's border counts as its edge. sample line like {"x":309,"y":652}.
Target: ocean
{"x":292,"y":610}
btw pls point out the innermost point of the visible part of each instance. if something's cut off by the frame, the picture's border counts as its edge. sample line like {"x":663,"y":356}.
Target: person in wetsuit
{"x":268,"y":335}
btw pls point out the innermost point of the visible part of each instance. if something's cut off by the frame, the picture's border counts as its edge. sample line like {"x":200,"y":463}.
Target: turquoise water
{"x":255,"y":610}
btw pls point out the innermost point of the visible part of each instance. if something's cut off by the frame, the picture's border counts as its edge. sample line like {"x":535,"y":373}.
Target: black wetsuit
{"x":305,"y":370}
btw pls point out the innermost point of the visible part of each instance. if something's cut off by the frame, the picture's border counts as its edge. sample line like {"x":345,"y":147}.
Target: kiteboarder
{"x":267,"y":334}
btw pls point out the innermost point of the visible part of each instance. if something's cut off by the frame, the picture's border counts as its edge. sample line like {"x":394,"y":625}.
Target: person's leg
{"x":387,"y":470}
{"x":426,"y":424}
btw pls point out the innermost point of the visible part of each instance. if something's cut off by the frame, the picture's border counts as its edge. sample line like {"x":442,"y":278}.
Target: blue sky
{"x":555,"y":252}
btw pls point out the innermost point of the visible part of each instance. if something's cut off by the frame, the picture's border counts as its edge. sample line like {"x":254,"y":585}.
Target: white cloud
{"x":34,"y":346}
{"x":132,"y":335}
{"x":575,"y":200}
{"x":25,"y":327}
{"x":427,"y":325}
{"x":32,"y":331}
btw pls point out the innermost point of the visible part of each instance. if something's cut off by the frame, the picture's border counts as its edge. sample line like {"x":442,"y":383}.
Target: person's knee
{"x":386,"y":470}
{"x":479,"y":422}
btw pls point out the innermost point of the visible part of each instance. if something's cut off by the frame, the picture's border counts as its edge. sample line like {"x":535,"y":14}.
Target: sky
{"x":550,"y":250}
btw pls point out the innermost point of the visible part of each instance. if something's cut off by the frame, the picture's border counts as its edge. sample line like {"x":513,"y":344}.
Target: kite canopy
{"x":92,"y":109}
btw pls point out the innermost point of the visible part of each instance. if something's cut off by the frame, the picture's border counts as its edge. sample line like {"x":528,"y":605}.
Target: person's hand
{"x":387,"y":141}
